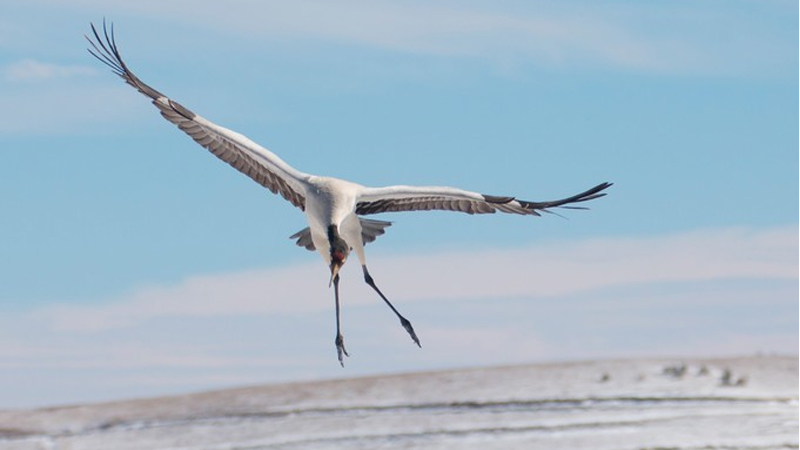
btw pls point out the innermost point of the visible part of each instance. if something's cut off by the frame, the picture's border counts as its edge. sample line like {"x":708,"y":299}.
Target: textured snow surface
{"x":735,"y":403}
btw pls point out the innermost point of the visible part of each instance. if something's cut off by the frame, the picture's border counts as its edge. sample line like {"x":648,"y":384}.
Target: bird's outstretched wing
{"x":420,"y":198}
{"x":253,"y":160}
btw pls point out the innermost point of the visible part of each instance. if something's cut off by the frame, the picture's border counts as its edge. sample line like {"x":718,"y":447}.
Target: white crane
{"x":332,"y":206}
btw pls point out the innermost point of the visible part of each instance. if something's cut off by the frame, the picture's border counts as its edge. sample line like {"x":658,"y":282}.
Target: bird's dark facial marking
{"x":339,"y":251}
{"x":337,"y":256}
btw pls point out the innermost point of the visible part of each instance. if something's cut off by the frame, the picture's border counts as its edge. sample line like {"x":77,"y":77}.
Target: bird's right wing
{"x":424,"y":198}
{"x":253,"y":160}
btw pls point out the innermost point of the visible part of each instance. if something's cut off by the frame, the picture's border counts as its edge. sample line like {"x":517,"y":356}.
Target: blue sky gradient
{"x":690,"y":108}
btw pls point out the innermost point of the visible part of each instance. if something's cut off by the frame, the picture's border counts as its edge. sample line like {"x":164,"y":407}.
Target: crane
{"x":333,"y":207}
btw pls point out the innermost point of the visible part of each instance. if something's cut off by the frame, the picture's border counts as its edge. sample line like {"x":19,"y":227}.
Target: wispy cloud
{"x":679,"y":37}
{"x":66,"y":108}
{"x":722,"y":291}
{"x":32,"y":70}
{"x":552,"y":270}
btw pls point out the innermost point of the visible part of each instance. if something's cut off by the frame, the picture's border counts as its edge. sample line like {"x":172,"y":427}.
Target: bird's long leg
{"x":340,"y":350}
{"x":403,"y":321}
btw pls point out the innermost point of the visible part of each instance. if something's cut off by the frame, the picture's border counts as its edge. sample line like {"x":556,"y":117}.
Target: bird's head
{"x":339,"y":251}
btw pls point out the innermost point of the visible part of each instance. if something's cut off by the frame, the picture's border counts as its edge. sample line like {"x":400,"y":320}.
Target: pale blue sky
{"x":135,"y":263}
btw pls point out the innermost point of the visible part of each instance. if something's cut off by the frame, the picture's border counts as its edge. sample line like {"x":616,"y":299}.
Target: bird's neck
{"x":333,"y":233}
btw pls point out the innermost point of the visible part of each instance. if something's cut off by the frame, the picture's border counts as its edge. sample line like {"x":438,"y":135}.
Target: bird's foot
{"x":340,"y":350}
{"x":407,"y":325}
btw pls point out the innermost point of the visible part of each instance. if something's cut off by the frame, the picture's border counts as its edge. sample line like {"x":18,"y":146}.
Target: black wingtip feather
{"x":591,"y":194}
{"x":105,"y":50}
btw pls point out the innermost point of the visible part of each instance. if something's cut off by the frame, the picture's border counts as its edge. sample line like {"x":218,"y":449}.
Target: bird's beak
{"x":334,"y":271}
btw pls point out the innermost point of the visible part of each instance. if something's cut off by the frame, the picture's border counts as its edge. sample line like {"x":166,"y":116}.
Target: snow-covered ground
{"x":735,"y":403}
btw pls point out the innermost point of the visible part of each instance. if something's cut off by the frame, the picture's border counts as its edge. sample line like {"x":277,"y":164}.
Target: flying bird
{"x":333,"y":207}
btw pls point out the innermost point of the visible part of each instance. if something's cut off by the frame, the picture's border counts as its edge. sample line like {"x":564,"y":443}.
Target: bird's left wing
{"x":253,"y":160}
{"x":421,"y":198}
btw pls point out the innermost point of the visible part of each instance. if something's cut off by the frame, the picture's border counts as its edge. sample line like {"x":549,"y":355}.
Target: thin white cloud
{"x":46,"y":98}
{"x":519,"y":344}
{"x":712,"y":292}
{"x":126,"y":355}
{"x":665,"y":39}
{"x":551,"y":270}
{"x":32,"y":70}
{"x":66,"y":109}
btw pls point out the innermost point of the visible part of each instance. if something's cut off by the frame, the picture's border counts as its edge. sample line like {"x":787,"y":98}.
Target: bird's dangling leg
{"x":340,"y":350}
{"x":403,"y":321}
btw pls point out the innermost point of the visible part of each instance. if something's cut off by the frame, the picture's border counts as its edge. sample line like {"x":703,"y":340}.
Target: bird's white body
{"x":331,"y":201}
{"x":332,"y":206}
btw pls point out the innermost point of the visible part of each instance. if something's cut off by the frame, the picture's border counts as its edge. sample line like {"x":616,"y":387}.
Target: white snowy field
{"x":733,"y":403}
